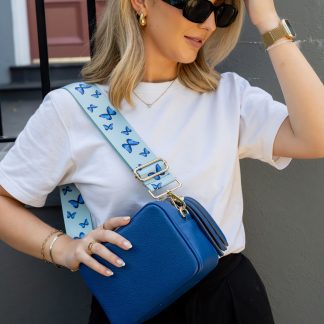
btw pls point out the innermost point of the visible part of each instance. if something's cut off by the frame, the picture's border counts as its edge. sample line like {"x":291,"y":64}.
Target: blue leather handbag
{"x":176,"y":242}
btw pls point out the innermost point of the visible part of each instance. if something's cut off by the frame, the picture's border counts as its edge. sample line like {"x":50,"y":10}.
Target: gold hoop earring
{"x":142,"y":20}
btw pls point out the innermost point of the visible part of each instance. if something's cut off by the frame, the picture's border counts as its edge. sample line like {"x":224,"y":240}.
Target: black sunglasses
{"x":198,"y":11}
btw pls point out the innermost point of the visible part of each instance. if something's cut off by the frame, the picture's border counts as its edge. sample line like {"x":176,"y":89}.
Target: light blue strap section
{"x":126,"y":142}
{"x":77,"y":218}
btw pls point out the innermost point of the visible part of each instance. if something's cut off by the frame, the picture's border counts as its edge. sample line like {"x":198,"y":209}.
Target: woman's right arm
{"x":25,"y":232}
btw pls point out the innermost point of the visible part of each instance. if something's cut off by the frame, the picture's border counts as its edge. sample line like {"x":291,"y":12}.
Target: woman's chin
{"x":188,"y":60}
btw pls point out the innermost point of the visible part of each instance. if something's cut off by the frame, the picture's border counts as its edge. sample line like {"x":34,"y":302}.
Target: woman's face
{"x":167,"y":31}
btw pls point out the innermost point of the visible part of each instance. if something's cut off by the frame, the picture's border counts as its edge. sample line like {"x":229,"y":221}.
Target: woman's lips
{"x":196,"y":42}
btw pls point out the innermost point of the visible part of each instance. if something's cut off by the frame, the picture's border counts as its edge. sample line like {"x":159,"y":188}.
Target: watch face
{"x":288,"y":28}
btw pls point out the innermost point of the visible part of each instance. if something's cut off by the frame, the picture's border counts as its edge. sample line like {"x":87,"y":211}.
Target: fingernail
{"x":127,"y":244}
{"x":126,"y":218}
{"x":121,"y":262}
{"x":109,"y":273}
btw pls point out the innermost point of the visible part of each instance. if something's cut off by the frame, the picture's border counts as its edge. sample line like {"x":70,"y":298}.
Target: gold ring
{"x":74,"y":270}
{"x":90,"y":245}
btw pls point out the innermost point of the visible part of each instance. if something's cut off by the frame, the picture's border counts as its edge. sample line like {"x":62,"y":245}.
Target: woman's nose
{"x":209,"y":23}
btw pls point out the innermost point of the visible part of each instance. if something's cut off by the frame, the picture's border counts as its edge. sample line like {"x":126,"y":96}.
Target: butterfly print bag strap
{"x":168,"y":228}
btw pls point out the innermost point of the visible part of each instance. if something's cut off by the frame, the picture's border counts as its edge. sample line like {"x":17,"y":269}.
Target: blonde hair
{"x":119,"y":53}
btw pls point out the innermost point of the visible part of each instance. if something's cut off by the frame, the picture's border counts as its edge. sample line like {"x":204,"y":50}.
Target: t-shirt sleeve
{"x":40,"y":159}
{"x":260,"y":120}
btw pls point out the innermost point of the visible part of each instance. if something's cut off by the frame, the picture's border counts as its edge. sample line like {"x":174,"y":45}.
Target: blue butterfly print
{"x":157,"y":186}
{"x":126,"y":131}
{"x":84,"y":224}
{"x":145,"y":152}
{"x":96,"y":94}
{"x":110,"y":112}
{"x":71,"y":215}
{"x":66,"y":189}
{"x":81,"y":235}
{"x":157,"y":169}
{"x":108,"y":127}
{"x":128,"y":145}
{"x":76,"y":203}
{"x":81,"y":87}
{"x":92,"y":107}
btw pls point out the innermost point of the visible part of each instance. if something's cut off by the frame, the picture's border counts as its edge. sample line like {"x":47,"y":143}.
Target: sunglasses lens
{"x":225,"y":15}
{"x":180,"y":4}
{"x":197,"y":11}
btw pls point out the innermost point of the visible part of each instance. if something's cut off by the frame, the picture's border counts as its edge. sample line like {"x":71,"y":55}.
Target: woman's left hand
{"x":263,"y":14}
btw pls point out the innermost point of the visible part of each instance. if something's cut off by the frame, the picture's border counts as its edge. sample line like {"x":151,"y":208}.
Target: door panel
{"x":67,"y":27}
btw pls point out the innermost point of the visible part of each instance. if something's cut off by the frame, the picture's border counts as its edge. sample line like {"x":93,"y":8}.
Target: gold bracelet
{"x":279,"y":43}
{"x":44,"y":243}
{"x":51,"y":247}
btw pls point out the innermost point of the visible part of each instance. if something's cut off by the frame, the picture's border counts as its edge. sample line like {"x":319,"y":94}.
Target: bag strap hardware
{"x":178,"y":202}
{"x":164,"y":195}
{"x":152,"y":174}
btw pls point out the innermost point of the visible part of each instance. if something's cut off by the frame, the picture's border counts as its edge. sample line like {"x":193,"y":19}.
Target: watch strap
{"x":275,"y":34}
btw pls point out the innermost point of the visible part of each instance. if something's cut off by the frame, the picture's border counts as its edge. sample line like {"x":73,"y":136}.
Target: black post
{"x":2,"y":138}
{"x":92,"y":22}
{"x":1,"y":129}
{"x":42,"y":44}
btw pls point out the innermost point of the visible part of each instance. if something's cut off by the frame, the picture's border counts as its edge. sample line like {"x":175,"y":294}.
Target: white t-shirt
{"x":202,"y":136}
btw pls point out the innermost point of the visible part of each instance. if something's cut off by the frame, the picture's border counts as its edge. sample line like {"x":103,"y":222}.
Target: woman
{"x":155,"y":60}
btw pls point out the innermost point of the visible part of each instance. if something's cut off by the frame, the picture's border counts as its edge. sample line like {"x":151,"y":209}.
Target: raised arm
{"x":301,"y":135}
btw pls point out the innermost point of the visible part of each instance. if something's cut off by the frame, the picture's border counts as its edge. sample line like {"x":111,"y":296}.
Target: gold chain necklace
{"x":149,"y":105}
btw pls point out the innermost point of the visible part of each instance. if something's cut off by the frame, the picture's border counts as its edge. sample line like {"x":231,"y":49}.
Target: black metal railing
{"x":43,"y":47}
{"x":43,"y":50}
{"x":92,"y":23}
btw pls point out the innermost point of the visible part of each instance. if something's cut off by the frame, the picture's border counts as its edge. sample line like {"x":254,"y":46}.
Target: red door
{"x":67,"y":27}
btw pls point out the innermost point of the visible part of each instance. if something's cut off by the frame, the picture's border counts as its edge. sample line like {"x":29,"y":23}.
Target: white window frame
{"x":20,"y":32}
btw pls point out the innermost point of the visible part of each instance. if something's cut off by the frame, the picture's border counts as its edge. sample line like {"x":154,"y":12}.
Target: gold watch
{"x":284,"y":30}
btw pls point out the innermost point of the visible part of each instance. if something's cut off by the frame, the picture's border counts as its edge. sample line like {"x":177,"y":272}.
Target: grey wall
{"x":284,"y":209}
{"x":33,"y":292}
{"x":283,"y":213}
{"x":7,"y":55}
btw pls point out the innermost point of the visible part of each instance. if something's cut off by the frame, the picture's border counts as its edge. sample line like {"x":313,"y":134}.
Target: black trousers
{"x":233,"y":293}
